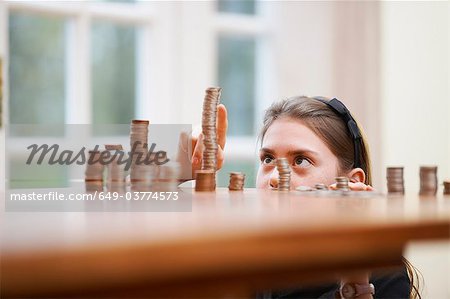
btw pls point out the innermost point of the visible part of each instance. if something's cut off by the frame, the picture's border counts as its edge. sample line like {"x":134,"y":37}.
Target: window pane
{"x":246,"y":167}
{"x":113,"y":73}
{"x":36,"y":69}
{"x":22,"y":175}
{"x":237,"y":78}
{"x":237,"y":6}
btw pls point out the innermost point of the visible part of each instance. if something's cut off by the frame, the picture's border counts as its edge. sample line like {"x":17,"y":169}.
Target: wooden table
{"x":232,"y":243}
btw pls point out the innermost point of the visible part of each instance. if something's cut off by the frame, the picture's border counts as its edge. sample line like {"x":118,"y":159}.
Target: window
{"x":239,"y":35}
{"x":37,"y":67}
{"x":109,"y":61}
{"x":237,"y":6}
{"x":113,"y":62}
{"x":237,"y":57}
{"x":56,"y":53}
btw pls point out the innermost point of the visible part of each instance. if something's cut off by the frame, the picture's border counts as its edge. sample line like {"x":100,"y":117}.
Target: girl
{"x":321,"y":141}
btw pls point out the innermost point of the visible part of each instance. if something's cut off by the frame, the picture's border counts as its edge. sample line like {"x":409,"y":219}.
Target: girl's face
{"x":310,"y":159}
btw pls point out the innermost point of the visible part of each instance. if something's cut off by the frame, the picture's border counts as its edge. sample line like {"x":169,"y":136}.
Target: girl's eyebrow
{"x":300,"y":152}
{"x":266,"y":151}
{"x":296,"y":152}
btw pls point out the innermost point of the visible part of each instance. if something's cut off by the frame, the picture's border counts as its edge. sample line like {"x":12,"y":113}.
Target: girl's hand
{"x":355,"y":186}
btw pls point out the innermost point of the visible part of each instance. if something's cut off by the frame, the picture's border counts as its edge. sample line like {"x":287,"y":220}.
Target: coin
{"x":209,"y":131}
{"x":284,"y":174}
{"x":447,"y":187}
{"x":94,"y":171}
{"x":205,"y":180}
{"x":395,"y":182}
{"x":209,"y":123}
{"x":140,"y":173}
{"x":342,"y":183}
{"x":237,"y":180}
{"x":428,"y":180}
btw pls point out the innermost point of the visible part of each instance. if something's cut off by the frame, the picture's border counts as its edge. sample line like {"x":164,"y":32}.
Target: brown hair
{"x":326,"y":124}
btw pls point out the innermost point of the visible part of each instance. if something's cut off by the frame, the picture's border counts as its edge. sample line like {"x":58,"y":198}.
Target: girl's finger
{"x":222,"y":125}
{"x":198,"y":151}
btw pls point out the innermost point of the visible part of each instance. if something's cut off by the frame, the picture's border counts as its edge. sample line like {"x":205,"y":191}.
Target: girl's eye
{"x":267,"y":160}
{"x":301,"y":162}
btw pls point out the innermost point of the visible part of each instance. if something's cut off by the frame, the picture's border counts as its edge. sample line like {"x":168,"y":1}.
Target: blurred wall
{"x":415,"y":88}
{"x":415,"y":112}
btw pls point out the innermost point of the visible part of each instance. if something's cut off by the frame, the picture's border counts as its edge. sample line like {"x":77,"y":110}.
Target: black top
{"x":393,"y":285}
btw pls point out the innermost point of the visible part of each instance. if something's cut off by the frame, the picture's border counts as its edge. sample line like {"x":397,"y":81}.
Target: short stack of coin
{"x":139,"y":146}
{"x":167,"y":177}
{"x":284,"y":174}
{"x":237,"y":180}
{"x":321,"y":187}
{"x":428,"y":180}
{"x":342,"y":183}
{"x":395,"y":182}
{"x":146,"y":174}
{"x":116,"y":171}
{"x":94,"y":172}
{"x":447,"y":187}
{"x":205,"y":180}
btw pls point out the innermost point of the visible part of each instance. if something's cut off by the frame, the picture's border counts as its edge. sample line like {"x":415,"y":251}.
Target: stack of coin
{"x":205,"y":180}
{"x":94,"y":172}
{"x":166,"y":177}
{"x":139,"y":146}
{"x":447,"y":187}
{"x":321,"y":187}
{"x":342,"y":183}
{"x":237,"y":180}
{"x":395,"y":183}
{"x":115,"y":171}
{"x":209,"y":119}
{"x":284,"y":174}
{"x":146,"y":174}
{"x":428,"y":180}
{"x":113,"y":147}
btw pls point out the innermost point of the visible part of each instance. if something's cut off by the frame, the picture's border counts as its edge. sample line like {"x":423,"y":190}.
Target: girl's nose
{"x":273,"y":180}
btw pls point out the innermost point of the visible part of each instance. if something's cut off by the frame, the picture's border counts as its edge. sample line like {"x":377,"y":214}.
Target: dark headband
{"x":339,"y":108}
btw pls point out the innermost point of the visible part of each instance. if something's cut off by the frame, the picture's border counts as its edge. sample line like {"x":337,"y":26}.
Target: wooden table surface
{"x":232,"y":243}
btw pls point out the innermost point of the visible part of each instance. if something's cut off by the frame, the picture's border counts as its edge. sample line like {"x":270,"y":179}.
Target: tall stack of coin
{"x":447,"y":187}
{"x":395,"y":182}
{"x":94,"y":172}
{"x":342,"y":183}
{"x":205,"y":180}
{"x":284,"y":174}
{"x":237,"y":180}
{"x":428,"y":180}
{"x":139,"y":146}
{"x":116,"y":171}
{"x":209,"y":123}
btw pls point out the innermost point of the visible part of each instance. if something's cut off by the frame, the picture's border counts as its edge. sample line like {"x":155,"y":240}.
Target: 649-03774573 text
{"x":102,"y":196}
